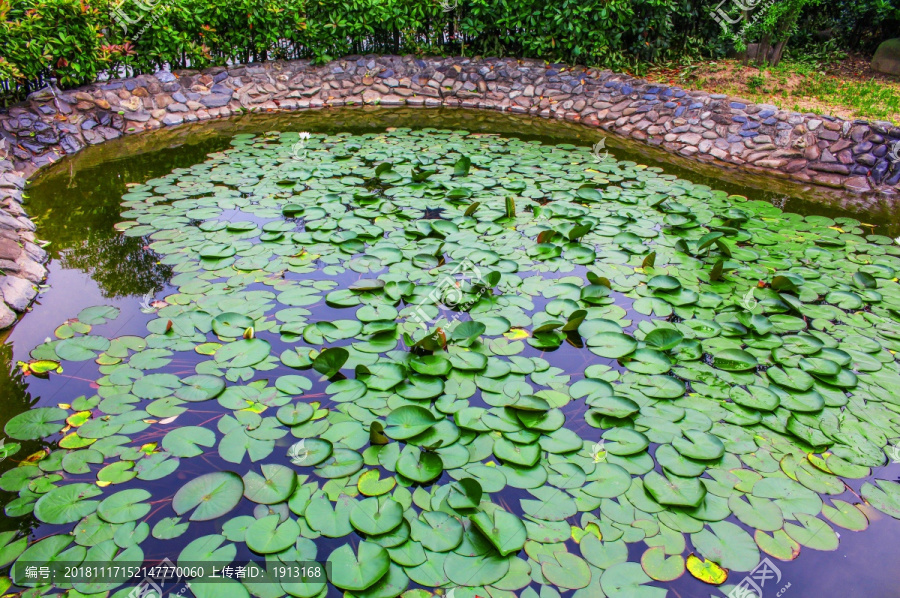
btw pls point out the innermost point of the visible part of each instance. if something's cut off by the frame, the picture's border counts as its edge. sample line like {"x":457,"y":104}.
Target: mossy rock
{"x":887,"y":57}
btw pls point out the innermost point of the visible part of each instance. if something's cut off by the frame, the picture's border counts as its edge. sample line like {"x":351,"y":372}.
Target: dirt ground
{"x":800,"y":88}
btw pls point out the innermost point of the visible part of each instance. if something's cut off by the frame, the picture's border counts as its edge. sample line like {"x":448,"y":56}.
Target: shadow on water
{"x":16,"y":398}
{"x":76,"y":205}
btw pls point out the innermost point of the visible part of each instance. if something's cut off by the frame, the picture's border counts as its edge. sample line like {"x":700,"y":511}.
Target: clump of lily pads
{"x":470,"y":363}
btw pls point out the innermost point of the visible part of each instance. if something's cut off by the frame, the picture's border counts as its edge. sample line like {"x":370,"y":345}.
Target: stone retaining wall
{"x":858,"y":156}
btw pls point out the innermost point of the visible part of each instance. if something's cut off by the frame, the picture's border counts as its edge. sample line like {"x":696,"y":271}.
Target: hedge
{"x":77,"y":41}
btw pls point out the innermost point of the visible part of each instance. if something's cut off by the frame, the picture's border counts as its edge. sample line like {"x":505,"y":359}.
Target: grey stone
{"x":7,"y":316}
{"x":215,"y":100}
{"x":17,"y":292}
{"x":172,"y":119}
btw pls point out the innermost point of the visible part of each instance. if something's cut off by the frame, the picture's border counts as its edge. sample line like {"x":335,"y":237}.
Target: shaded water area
{"x":77,"y":203}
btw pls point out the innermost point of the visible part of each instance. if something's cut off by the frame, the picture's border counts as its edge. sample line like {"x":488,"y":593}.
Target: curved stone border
{"x":857,"y":156}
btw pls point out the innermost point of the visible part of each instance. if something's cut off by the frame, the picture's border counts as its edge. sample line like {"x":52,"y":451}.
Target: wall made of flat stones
{"x":858,"y":156}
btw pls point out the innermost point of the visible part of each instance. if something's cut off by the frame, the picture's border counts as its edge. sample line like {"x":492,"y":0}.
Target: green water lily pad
{"x":359,"y":570}
{"x":210,"y":496}
{"x":36,"y":423}
{"x":67,"y":504}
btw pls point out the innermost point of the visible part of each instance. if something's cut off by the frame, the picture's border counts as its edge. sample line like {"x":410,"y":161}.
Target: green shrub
{"x":75,"y":41}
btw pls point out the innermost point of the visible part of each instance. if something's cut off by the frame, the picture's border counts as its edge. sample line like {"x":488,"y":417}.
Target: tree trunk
{"x":779,"y":49}
{"x":762,"y":52}
{"x":782,"y":36}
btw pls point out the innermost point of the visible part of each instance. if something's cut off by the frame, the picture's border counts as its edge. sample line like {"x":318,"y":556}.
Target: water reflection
{"x":16,"y":399}
{"x":76,"y":205}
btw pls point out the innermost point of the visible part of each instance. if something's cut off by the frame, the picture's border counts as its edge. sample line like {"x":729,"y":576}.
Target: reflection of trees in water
{"x":118,"y":264}
{"x":15,"y":399}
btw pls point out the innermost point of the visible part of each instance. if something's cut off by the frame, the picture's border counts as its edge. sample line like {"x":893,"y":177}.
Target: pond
{"x":450,"y":351}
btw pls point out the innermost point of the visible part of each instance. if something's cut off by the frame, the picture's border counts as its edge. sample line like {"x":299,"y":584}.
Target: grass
{"x":795,"y":85}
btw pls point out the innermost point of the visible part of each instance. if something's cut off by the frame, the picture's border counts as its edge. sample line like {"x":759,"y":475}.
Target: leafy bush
{"x":76,"y":41}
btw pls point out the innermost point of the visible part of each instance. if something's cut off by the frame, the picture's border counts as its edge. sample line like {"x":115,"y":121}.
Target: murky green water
{"x":77,"y":203}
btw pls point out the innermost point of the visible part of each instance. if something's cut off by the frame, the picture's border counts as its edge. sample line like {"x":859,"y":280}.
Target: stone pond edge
{"x":858,"y":156}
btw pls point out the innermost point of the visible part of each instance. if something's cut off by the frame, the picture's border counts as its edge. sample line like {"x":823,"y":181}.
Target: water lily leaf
{"x":504,"y":530}
{"x":200,"y":388}
{"x":211,"y":495}
{"x":95,"y":316}
{"x":370,"y":483}
{"x":612,"y":345}
{"x":674,"y":490}
{"x":627,"y":579}
{"x":186,"y":441}
{"x":358,"y":571}
{"x":309,"y":452}
{"x":791,"y":378}
{"x":624,"y":442}
{"x":565,"y":570}
{"x":268,"y":535}
{"x":81,"y":348}
{"x":419,"y":466}
{"x":275,"y":485}
{"x":208,"y":549}
{"x":430,"y":365}
{"x":330,"y":361}
{"x":168,"y":528}
{"x":663,"y":339}
{"x":341,"y":464}
{"x":660,"y":567}
{"x":376,"y":515}
{"x":699,"y":445}
{"x":124,"y":506}
{"x":728,"y":545}
{"x":734,"y":360}
{"x":706,"y":570}
{"x":408,"y":421}
{"x":36,"y":423}
{"x":846,"y":515}
{"x":67,"y":504}
{"x":243,"y":353}
{"x":231,"y":325}
{"x":812,"y":533}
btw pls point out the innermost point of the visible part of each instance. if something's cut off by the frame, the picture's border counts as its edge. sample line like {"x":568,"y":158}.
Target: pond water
{"x":639,"y":359}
